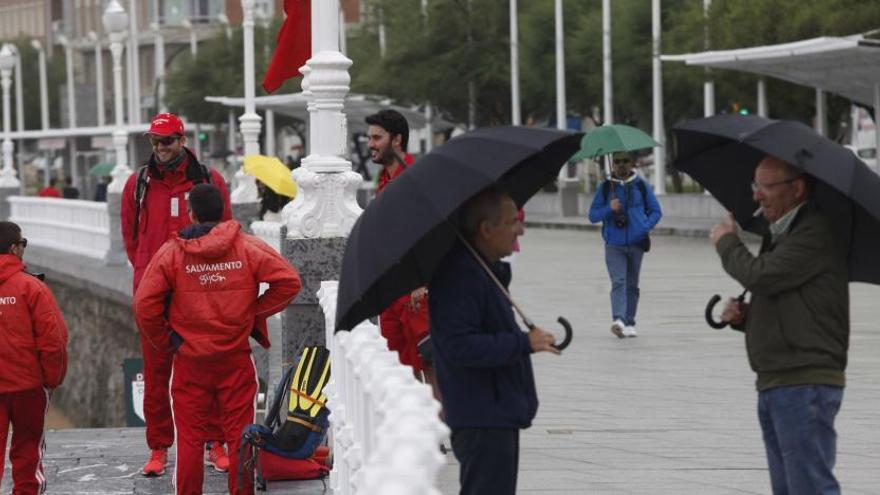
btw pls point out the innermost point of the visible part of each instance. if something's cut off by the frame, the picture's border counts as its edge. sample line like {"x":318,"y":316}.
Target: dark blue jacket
{"x":643,"y":212}
{"x":482,"y":357}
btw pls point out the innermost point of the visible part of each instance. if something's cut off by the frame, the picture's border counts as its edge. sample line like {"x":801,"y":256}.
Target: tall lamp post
{"x":194,"y":51}
{"x":230,"y":136}
{"x":99,"y":78}
{"x":159,"y":62}
{"x":44,"y":100}
{"x":246,"y":188}
{"x":115,"y":20}
{"x":7,"y":64}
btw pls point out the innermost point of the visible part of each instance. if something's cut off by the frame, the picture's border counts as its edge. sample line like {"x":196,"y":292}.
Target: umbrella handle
{"x":718,"y":325}
{"x":567,"y":340}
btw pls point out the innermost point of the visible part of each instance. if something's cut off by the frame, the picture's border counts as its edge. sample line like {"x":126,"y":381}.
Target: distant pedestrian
{"x":628,"y":210}
{"x":199,"y":299}
{"x":101,"y":189}
{"x":796,"y":325}
{"x":50,"y":191}
{"x":33,"y":361}
{"x":70,"y":191}
{"x":153,"y":210}
{"x":483,"y":358}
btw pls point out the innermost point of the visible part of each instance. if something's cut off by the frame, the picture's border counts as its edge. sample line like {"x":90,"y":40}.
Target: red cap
{"x":166,"y":124}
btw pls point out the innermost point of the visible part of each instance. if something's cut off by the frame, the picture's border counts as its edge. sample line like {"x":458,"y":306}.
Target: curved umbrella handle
{"x":718,"y":325}
{"x":567,"y":340}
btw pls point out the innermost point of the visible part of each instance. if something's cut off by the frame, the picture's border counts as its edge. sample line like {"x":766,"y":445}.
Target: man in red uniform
{"x":199,"y":300}
{"x":153,"y":209}
{"x":50,"y":191}
{"x":33,"y":361}
{"x":405,"y":322}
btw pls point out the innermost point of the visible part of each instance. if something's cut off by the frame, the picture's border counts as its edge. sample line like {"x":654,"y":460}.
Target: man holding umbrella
{"x":628,"y":210}
{"x":796,"y":325}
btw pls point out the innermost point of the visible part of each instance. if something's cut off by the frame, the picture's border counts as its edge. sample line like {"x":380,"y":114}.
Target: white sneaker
{"x":630,"y":331}
{"x":619,"y":329}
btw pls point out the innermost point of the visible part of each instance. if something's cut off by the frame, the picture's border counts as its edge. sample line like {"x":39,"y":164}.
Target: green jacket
{"x":797,"y":326}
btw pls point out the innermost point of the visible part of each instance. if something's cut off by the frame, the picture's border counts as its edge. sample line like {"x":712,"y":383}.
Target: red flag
{"x":293,"y":44}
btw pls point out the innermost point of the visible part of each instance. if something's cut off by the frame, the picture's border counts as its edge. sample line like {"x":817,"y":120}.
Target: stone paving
{"x":670,"y":412}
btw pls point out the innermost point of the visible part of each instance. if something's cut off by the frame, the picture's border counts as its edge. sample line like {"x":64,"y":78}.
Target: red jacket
{"x":49,"y":192}
{"x":386,"y":177}
{"x":158,"y":221}
{"x":213,"y":281}
{"x":33,"y":336}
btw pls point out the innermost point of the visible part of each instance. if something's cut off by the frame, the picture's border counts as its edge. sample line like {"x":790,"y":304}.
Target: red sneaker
{"x":156,"y":465}
{"x":216,"y":456}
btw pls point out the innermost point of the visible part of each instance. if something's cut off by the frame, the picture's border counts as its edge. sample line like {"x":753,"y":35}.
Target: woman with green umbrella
{"x":628,"y":210}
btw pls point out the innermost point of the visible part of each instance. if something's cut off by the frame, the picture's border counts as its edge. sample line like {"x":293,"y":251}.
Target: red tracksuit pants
{"x":26,"y":412}
{"x":157,"y":408}
{"x":231,"y":383}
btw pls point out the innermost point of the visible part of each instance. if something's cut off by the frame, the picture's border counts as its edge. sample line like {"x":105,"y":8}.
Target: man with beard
{"x":154,"y":208}
{"x":405,"y":323}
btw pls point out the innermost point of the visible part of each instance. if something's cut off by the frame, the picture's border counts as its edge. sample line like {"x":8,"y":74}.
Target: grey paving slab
{"x":674,"y":410}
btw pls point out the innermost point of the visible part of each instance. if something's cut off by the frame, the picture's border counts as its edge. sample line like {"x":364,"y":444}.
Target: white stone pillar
{"x":7,"y":64}
{"x":659,"y":128}
{"x":115,"y":20}
{"x":246,"y":188}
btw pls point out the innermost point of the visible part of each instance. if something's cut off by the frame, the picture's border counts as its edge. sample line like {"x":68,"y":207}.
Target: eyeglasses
{"x":167,"y":141}
{"x":22,"y":242}
{"x":765,"y":188}
{"x":622,"y":161}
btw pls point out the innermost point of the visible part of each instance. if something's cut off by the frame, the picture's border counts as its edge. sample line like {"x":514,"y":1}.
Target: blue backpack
{"x":303,"y":426}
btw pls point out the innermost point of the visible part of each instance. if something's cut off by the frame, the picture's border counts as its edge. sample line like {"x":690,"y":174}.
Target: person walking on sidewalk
{"x":483,"y":358}
{"x":153,"y":209}
{"x":199,"y":300}
{"x":796,"y":325}
{"x":628,"y":210}
{"x":33,"y":361}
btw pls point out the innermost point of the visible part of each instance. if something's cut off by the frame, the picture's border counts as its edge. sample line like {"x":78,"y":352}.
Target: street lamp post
{"x":115,"y":20}
{"x":246,"y":188}
{"x":7,"y":64}
{"x":159,"y":52}
{"x":99,"y":78}
{"x":44,"y":86}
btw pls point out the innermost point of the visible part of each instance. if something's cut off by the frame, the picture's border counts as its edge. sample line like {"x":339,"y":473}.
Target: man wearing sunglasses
{"x":33,"y":361}
{"x":153,"y":209}
{"x":628,"y":210}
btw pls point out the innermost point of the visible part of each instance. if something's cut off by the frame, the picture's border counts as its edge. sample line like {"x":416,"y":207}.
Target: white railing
{"x":69,"y":225}
{"x":385,"y":426}
{"x":270,"y":232}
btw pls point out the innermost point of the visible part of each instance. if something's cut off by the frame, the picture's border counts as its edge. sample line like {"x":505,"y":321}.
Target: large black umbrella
{"x":721,"y":153}
{"x":403,"y":234}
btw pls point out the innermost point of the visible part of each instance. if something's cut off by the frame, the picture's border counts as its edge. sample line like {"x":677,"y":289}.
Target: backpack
{"x":646,"y":242}
{"x":284,"y":446}
{"x":143,"y":184}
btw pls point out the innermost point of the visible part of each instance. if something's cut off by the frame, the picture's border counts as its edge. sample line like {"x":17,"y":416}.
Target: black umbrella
{"x":721,"y":153}
{"x":403,"y":234}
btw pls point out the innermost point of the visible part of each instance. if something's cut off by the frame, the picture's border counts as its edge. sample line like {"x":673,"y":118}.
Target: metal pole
{"x":515,"y":113}
{"x":159,"y":62}
{"x":608,"y":91}
{"x":134,"y":58}
{"x":659,"y":130}
{"x":560,"y":69}
{"x":121,"y":171}
{"x":876,"y":126}
{"x":821,"y":124}
{"x":270,"y":133}
{"x":19,"y":100}
{"x":99,"y":79}
{"x":762,"y":97}
{"x":44,"y":86}
{"x":708,"y":85}
{"x":71,"y":96}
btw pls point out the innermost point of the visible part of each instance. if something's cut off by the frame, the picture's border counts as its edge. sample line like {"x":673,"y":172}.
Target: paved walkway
{"x":671,"y":412}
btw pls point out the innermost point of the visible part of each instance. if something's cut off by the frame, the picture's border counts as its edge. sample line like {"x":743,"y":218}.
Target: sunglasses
{"x":167,"y":141}
{"x":22,"y":242}
{"x":622,"y":161}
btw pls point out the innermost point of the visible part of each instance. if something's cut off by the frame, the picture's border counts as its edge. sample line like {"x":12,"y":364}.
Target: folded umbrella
{"x":612,"y":138}
{"x":270,"y":171}
{"x":403,"y":234}
{"x":721,"y":153}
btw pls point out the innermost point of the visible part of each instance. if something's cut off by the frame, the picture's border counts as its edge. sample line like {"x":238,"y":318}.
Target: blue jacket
{"x":640,"y":219}
{"x":482,"y":357}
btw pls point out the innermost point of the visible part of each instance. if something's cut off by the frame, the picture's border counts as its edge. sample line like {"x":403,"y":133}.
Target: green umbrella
{"x":612,"y":138}
{"x":102,"y":169}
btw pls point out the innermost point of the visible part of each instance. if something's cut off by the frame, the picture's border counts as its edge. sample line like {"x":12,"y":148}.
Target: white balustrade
{"x":269,"y":232}
{"x":69,"y":225}
{"x":385,"y":426}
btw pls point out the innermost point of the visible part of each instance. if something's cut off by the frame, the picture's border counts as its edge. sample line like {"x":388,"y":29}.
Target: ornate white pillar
{"x":246,"y":188}
{"x":7,"y":63}
{"x":115,"y":19}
